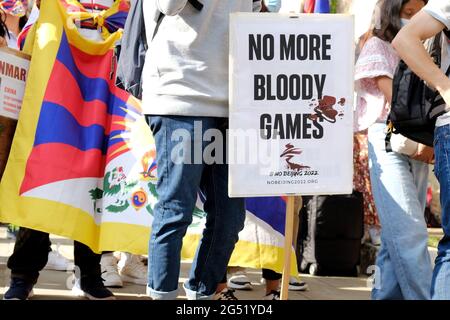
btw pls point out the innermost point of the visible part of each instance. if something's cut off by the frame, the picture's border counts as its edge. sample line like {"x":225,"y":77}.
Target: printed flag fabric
{"x":317,"y":6}
{"x":322,"y":6}
{"x":309,"y":6}
{"x":82,"y":164}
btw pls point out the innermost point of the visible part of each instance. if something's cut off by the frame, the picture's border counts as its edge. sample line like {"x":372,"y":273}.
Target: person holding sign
{"x":398,"y":181}
{"x":185,"y":94}
{"x":433,"y":19}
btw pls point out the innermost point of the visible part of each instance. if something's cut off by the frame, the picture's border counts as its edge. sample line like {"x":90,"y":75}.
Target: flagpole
{"x":288,"y":237}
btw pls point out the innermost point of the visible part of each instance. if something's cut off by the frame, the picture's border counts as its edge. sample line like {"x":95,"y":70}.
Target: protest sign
{"x":13,"y":73}
{"x":291,"y":104}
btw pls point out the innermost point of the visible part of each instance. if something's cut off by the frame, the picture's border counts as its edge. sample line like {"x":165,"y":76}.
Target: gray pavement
{"x":54,"y":285}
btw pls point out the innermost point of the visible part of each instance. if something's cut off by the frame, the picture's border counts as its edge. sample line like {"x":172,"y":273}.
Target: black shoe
{"x":273,"y":295}
{"x":93,"y":289}
{"x":19,"y":289}
{"x":225,"y":294}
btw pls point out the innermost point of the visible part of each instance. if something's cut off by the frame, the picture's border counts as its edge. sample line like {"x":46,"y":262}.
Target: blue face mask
{"x":404,"y":22}
{"x":273,"y":5}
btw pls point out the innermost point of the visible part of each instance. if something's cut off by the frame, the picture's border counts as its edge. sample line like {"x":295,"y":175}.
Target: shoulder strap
{"x":435,"y":50}
{"x":438,"y":106}
{"x":158,"y":23}
{"x":196,"y":4}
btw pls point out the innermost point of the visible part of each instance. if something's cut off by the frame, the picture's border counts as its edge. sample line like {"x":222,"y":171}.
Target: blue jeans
{"x":399,"y":186}
{"x":441,"y":277}
{"x":178,"y":186}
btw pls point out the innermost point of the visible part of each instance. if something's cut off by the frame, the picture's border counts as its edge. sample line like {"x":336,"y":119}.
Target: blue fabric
{"x":322,"y":6}
{"x":178,"y":184}
{"x":441,"y":276}
{"x":403,"y":267}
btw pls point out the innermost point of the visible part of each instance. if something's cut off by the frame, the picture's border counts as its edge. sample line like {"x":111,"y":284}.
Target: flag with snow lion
{"x":82,"y":164}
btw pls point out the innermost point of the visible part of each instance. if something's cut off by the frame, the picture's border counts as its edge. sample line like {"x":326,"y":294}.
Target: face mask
{"x":404,"y":22}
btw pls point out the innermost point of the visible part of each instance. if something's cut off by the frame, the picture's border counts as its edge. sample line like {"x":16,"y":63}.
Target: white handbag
{"x":403,"y":145}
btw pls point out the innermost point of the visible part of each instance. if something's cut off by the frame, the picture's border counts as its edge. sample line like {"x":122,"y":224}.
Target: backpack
{"x":415,"y":107}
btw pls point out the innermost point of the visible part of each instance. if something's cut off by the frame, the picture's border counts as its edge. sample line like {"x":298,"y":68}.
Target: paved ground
{"x":54,"y":285}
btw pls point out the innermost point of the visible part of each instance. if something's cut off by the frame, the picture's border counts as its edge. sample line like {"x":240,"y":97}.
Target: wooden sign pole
{"x":288,"y":237}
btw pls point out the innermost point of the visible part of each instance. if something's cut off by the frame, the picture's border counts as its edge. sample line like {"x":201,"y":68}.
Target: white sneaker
{"x":110,"y":272}
{"x":58,"y":262}
{"x":132,"y":269}
{"x":240,"y":281}
{"x":375,"y":235}
{"x":297,"y":285}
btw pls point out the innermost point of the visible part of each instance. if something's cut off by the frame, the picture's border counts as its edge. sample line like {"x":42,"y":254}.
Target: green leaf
{"x":118,"y":208}
{"x":149,"y":209}
{"x":152,"y":189}
{"x":96,"y":194}
{"x":199,"y":213}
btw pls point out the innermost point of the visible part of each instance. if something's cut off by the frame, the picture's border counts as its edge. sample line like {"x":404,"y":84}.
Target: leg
{"x":87,"y":261}
{"x":272,"y":280}
{"x":28,"y":259}
{"x":30,"y":254}
{"x":397,"y":184}
{"x":177,"y":190}
{"x":90,"y":282}
{"x":225,"y":219}
{"x":386,"y":285}
{"x":441,"y":276}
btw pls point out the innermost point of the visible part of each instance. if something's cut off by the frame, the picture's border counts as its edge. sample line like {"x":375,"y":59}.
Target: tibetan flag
{"x":322,"y":6}
{"x":75,"y":129}
{"x":89,"y":15}
{"x":82,"y":163}
{"x":309,"y":6}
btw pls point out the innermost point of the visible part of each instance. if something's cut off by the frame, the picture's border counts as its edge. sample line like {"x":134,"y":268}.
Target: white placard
{"x":13,"y":74}
{"x":291,"y":102}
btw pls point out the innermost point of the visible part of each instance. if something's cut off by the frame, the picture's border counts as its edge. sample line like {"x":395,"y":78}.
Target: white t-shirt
{"x":11,"y":39}
{"x":440,"y":10}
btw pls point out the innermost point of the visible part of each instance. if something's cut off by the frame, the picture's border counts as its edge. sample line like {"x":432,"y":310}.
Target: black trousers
{"x":31,"y":254}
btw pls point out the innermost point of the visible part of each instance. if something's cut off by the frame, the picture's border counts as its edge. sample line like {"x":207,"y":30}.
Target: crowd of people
{"x":188,"y":41}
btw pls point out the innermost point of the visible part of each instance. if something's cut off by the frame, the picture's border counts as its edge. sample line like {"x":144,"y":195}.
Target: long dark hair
{"x":3,"y":27}
{"x":389,"y":23}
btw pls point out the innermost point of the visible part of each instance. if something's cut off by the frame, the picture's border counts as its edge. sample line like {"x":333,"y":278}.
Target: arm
{"x":384,"y":83}
{"x":408,"y":44}
{"x":170,"y":7}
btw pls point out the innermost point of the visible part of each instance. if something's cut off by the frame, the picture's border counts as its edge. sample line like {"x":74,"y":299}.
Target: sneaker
{"x":225,"y":294}
{"x":240,"y":281}
{"x":273,"y":295}
{"x":11,"y":232}
{"x":375,"y":235}
{"x":19,"y":289}
{"x":58,"y":262}
{"x":110,"y":271}
{"x":93,"y":289}
{"x":296,"y":285}
{"x":132,"y":269}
